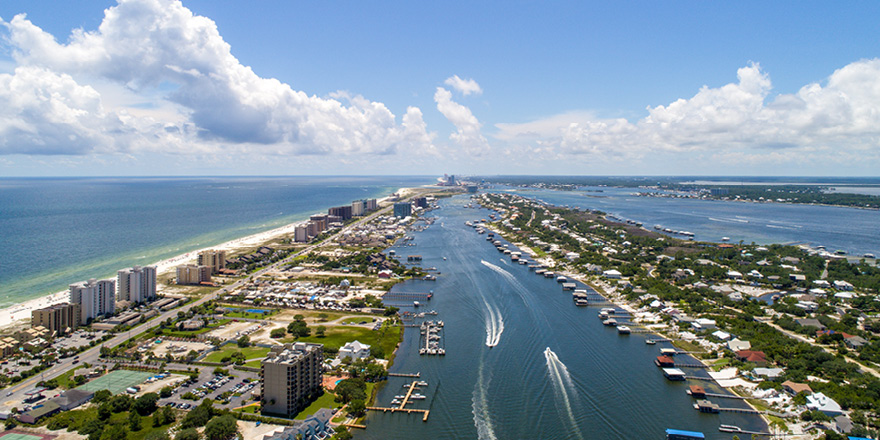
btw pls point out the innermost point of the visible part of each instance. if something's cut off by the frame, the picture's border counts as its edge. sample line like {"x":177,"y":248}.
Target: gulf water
{"x":522,"y":360}
{"x":60,"y":231}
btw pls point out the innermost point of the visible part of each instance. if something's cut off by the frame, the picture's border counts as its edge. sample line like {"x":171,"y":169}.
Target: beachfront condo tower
{"x":136,"y":284}
{"x":213,"y":258}
{"x":95,"y":298}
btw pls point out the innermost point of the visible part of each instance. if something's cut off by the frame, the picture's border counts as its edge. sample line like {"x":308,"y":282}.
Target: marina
{"x":432,"y":338}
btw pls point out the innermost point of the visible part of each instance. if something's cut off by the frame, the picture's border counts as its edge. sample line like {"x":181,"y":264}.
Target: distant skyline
{"x":161,"y":87}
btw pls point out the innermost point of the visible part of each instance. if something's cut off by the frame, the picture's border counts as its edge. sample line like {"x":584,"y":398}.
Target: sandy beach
{"x":20,"y":314}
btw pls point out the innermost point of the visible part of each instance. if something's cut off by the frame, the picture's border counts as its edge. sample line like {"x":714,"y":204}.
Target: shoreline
{"x":21,"y":313}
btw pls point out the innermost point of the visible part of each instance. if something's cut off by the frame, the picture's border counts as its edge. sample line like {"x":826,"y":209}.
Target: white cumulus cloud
{"x":464,"y":86}
{"x":143,"y":44}
{"x":841,"y":116}
{"x":467,"y":134}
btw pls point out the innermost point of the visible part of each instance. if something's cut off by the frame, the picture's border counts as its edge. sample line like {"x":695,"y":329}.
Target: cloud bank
{"x":739,"y":120}
{"x":147,"y":44}
{"x":467,"y":134}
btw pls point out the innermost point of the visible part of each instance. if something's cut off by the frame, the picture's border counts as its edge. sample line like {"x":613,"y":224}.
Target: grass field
{"x":358,"y":320}
{"x":249,"y":353}
{"x":325,"y":401}
{"x":64,"y":381}
{"x":336,"y":336}
{"x":241,"y":312}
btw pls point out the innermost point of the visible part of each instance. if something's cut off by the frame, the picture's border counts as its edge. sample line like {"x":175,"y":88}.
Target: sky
{"x":279,"y":87}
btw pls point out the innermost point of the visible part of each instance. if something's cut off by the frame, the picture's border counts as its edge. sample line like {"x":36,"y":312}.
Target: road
{"x":91,"y":355}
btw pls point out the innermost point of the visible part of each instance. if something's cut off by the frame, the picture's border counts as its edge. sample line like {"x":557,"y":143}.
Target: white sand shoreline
{"x":18,"y":313}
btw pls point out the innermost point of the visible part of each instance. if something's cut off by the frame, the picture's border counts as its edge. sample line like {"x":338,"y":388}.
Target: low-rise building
{"x":354,"y":350}
{"x":823,"y":403}
{"x":59,"y":318}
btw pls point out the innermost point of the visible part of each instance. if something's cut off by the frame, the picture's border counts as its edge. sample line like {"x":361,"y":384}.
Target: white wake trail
{"x":494,"y":325}
{"x":561,"y":380}
{"x":480,"y":408}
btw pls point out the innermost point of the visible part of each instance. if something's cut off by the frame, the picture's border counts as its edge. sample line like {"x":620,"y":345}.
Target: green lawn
{"x":325,"y":401}
{"x":64,"y":381}
{"x":250,"y":409}
{"x":249,"y":353}
{"x":358,"y":320}
{"x":240,"y":312}
{"x":336,"y":336}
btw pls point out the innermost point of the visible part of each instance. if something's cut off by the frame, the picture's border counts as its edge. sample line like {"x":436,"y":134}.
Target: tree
{"x":187,"y":434}
{"x":221,"y":428}
{"x":299,"y":328}
{"x":165,"y":392}
{"x":157,"y":435}
{"x":104,"y":411}
{"x":244,"y":341}
{"x":113,"y":432}
{"x":199,"y":415}
{"x":351,"y":389}
{"x":163,"y":417}
{"x":277,"y":333}
{"x":146,"y":404}
{"x":357,"y":408}
{"x":342,"y":433}
{"x":120,"y":403}
{"x":319,"y":332}
{"x":10,"y":423}
{"x":299,"y":317}
{"x":134,"y":421}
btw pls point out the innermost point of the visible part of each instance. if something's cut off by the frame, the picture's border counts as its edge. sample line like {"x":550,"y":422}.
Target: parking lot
{"x":79,"y":338}
{"x":212,"y":387}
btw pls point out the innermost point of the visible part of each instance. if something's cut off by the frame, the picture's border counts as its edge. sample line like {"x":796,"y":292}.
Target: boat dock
{"x":430,"y":338}
{"x":402,"y":407}
{"x":713,"y":408}
{"x":416,"y":375}
{"x":738,"y":430}
{"x":407,"y":296}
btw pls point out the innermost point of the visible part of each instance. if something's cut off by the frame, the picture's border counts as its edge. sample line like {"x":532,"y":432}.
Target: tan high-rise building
{"x":291,"y":377}
{"x":192,"y":274}
{"x":215,"y":259}
{"x":59,"y":318}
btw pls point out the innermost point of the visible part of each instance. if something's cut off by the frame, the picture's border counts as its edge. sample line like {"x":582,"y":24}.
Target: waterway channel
{"x":553,"y":371}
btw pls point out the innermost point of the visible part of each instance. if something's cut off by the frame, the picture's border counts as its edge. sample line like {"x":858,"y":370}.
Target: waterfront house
{"x":612,"y":274}
{"x":354,"y":350}
{"x":810,"y":322}
{"x":795,"y":388}
{"x":732,"y":274}
{"x":755,"y":357}
{"x":821,"y":402}
{"x":855,"y":342}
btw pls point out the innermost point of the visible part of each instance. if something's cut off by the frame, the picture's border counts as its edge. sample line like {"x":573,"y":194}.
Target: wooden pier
{"x":402,"y":408}
{"x":684,"y":365}
{"x":408,"y":295}
{"x":721,"y":396}
{"x":354,"y":425}
{"x":707,"y":406}
{"x":738,"y":430}
{"x":419,"y":374}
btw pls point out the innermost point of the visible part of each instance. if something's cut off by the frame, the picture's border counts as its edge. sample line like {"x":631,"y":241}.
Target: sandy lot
{"x":233,"y":330}
{"x":179,"y":349}
{"x":250,"y":430}
{"x":159,"y":384}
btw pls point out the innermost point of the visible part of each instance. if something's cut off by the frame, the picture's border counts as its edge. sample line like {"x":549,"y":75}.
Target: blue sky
{"x":157,"y":87}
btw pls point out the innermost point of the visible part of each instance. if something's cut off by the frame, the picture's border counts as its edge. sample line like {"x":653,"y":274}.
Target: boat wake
{"x":728,"y":220}
{"x":561,"y":380}
{"x":494,"y":325}
{"x":480,"y":408}
{"x":505,"y":262}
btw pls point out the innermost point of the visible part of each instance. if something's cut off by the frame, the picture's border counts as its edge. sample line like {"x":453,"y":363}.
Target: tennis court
{"x":116,"y":381}
{"x":16,"y":435}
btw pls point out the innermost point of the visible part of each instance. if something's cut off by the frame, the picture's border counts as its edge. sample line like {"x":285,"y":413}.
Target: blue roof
{"x":858,"y":438}
{"x":693,"y":434}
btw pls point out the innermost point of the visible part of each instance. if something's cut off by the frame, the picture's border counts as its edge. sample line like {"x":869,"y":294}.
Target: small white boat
{"x":650,"y":341}
{"x":725,"y":238}
{"x":623,"y":330}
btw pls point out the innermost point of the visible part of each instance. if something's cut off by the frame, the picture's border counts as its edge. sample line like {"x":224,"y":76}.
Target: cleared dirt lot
{"x":178,"y":349}
{"x":233,"y":330}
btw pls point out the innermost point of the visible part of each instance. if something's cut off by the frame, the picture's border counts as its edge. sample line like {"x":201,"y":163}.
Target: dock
{"x":402,"y":407}
{"x":738,"y":430}
{"x":416,"y":375}
{"x":406,"y":296}
{"x":709,"y":407}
